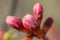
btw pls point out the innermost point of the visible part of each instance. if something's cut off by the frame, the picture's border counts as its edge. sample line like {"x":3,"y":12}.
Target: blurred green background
{"x":21,"y":7}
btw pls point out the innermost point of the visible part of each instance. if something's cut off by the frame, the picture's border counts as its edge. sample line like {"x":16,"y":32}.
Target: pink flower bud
{"x":1,"y":34}
{"x":38,"y":12}
{"x":16,"y":23}
{"x":29,"y":21}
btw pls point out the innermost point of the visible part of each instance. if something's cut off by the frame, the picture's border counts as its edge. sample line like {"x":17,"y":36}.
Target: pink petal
{"x":14,"y":22}
{"x":29,"y":21}
{"x":37,"y":10}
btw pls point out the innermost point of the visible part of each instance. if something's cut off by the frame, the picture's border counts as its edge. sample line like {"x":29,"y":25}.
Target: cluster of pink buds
{"x":30,"y":24}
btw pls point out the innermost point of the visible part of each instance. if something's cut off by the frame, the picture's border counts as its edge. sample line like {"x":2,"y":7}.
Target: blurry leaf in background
{"x":53,"y":33}
{"x":9,"y":35}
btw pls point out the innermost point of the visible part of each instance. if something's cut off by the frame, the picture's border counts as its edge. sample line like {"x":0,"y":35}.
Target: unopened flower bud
{"x":47,"y":24}
{"x":29,"y":21}
{"x":38,"y":12}
{"x":16,"y":23}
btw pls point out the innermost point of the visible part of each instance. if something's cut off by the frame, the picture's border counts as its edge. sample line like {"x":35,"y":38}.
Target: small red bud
{"x":47,"y":24}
